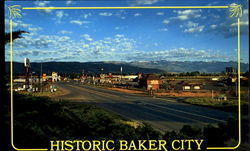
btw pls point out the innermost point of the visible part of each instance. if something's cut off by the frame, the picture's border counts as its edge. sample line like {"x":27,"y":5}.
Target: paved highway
{"x":161,"y":113}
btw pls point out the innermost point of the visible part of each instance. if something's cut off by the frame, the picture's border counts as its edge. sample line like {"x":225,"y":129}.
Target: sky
{"x":128,"y":34}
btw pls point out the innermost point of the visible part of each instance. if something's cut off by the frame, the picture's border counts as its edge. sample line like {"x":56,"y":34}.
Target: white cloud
{"x":182,"y":17}
{"x":43,"y":4}
{"x":59,"y":14}
{"x":137,"y":14}
{"x":78,"y":22}
{"x":47,"y":10}
{"x":177,"y":54}
{"x":119,"y":36}
{"x":242,"y":23}
{"x":34,"y":29}
{"x":62,"y":48}
{"x":165,"y":21}
{"x":85,"y":46}
{"x":192,"y":27}
{"x":105,"y":14}
{"x":143,"y":2}
{"x":20,"y":25}
{"x":245,"y":12}
{"x":213,"y":26}
{"x":63,"y":38}
{"x":87,"y":15}
{"x":65,"y":32}
{"x":69,"y":2}
{"x":187,"y":14}
{"x":87,"y":37}
{"x":160,"y":13}
{"x":191,"y":24}
{"x":163,"y":29}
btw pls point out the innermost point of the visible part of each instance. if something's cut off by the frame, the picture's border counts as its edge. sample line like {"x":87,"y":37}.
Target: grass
{"x":230,"y":105}
{"x":40,"y":119}
{"x":37,"y":120}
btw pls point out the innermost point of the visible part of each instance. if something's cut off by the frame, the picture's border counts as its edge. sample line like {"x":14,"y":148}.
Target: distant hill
{"x":190,"y":66}
{"x":78,"y":67}
{"x":129,"y":67}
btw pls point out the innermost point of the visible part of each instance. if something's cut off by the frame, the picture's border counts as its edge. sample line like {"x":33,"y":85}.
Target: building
{"x":191,"y":86}
{"x":150,"y":81}
{"x":55,"y":77}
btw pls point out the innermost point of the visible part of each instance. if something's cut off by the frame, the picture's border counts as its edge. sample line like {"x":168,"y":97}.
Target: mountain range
{"x":128,"y":67}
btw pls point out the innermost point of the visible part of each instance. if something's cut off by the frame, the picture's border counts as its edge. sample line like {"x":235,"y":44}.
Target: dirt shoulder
{"x":127,"y":90}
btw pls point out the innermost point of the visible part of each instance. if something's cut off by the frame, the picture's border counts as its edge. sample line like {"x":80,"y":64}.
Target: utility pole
{"x":41,"y":82}
{"x":212,"y":94}
{"x":236,"y":87}
{"x":121,"y":75}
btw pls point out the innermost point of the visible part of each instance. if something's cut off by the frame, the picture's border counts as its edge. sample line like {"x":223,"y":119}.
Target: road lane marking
{"x":211,"y":118}
{"x":129,"y":101}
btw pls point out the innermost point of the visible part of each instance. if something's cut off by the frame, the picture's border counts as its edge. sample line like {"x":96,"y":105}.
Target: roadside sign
{"x":44,"y":76}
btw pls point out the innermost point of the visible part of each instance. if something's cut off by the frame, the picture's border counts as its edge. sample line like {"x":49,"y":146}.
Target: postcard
{"x":96,"y":75}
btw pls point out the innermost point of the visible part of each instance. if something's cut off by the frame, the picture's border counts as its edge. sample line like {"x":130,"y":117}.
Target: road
{"x":161,"y":113}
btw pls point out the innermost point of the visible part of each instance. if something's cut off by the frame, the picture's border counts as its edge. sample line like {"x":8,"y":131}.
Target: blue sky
{"x":129,"y":35}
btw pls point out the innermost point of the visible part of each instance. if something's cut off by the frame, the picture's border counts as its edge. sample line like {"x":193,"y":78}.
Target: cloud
{"x":59,"y":14}
{"x":143,"y":2}
{"x":43,"y":4}
{"x":192,"y":27}
{"x":69,"y":2}
{"x":20,"y":25}
{"x":160,"y":13}
{"x":182,"y":17}
{"x":119,"y":36}
{"x":63,"y":39}
{"x":228,"y":28}
{"x":163,"y":29}
{"x":165,"y":21}
{"x":105,"y":14}
{"x":118,"y":47}
{"x":34,"y":29}
{"x":65,"y":32}
{"x":177,"y":54}
{"x":187,"y":14}
{"x":87,"y":37}
{"x":137,"y":14}
{"x":87,"y":15}
{"x":213,"y":26}
{"x":242,"y":23}
{"x":79,"y":22}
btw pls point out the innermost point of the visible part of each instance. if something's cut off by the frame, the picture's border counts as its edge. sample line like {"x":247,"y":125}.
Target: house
{"x":191,"y":86}
{"x":150,"y":81}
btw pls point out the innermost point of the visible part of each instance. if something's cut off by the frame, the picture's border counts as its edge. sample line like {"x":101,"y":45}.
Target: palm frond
{"x":235,"y":10}
{"x":14,"y":11}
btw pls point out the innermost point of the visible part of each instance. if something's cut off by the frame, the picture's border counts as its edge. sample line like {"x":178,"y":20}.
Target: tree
{"x":5,"y":103}
{"x":15,"y":35}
